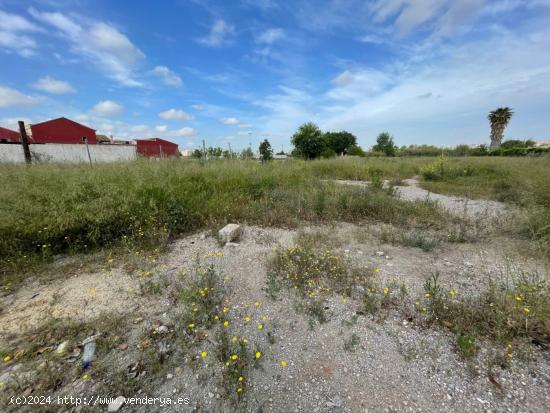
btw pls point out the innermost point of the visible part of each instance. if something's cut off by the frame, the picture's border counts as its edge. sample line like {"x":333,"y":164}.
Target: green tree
{"x":384,"y":143}
{"x":355,"y":151}
{"x":499,"y":119}
{"x":247,"y":154}
{"x":340,"y":142}
{"x":197,"y":154}
{"x":308,"y":141}
{"x":266,"y":152}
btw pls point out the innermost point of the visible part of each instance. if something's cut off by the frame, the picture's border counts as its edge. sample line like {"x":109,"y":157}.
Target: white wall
{"x":71,"y":153}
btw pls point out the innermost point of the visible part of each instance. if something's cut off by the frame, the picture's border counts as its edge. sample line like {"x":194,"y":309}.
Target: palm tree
{"x":499,"y":119}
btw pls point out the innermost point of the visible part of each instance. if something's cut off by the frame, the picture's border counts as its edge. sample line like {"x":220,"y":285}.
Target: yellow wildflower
{"x":452,"y":293}
{"x":245,"y":341}
{"x":234,"y":339}
{"x":427,"y":295}
{"x":386,"y":290}
{"x":225,"y":310}
{"x":256,"y":304}
{"x":191,"y":325}
{"x":234,"y":357}
{"x":424,"y":309}
{"x":258,"y":354}
{"x":239,"y":390}
{"x":85,"y":376}
{"x":247,"y":319}
{"x":6,"y":359}
{"x":225,"y":323}
{"x":203,"y":354}
{"x":283,"y":363}
{"x":260,"y":326}
{"x":526,"y":310}
{"x":518,"y":298}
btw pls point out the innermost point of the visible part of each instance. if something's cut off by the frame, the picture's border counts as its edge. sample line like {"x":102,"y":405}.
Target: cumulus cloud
{"x":101,"y":43}
{"x":161,"y":128}
{"x":167,"y":76}
{"x":245,"y":125}
{"x":184,"y":132}
{"x":13,"y":98}
{"x":229,"y":121}
{"x":54,"y":86}
{"x":221,"y":33}
{"x":107,"y":108}
{"x":176,"y":114}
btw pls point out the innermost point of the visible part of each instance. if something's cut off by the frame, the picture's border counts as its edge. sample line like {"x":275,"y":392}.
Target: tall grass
{"x":523,"y":182}
{"x":52,"y":209}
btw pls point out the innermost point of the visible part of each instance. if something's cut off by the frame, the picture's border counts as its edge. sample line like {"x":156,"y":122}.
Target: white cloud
{"x":56,"y":87}
{"x":245,"y":132}
{"x":198,"y":107}
{"x":13,"y":98}
{"x":12,"y":37}
{"x":220,"y":33}
{"x":161,"y":128}
{"x":167,"y":76}
{"x":107,"y":108}
{"x":184,"y":132}
{"x":245,"y":125}
{"x":139,"y":129}
{"x":176,"y":114}
{"x":102,"y":44}
{"x":229,"y":121}
{"x":270,"y":36}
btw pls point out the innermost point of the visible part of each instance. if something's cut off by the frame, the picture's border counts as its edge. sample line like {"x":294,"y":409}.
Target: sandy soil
{"x":395,"y":367}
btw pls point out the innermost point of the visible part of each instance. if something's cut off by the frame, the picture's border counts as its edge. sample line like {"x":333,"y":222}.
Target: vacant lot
{"x":351,"y":297}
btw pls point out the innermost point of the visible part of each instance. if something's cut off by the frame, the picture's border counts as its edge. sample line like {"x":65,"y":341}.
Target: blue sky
{"x":427,"y":71}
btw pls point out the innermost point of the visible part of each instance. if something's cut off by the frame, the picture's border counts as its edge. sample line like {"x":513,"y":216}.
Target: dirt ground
{"x":394,"y":366}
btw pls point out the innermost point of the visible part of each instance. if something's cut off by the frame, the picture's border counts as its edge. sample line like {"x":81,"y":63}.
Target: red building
{"x":156,"y":147}
{"x":7,"y":135}
{"x":62,"y":130}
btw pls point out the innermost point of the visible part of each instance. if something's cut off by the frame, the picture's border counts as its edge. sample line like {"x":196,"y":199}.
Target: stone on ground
{"x":230,"y":233}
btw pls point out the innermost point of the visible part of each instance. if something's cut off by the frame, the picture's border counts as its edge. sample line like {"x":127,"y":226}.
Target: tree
{"x":266,"y":152}
{"x":355,"y":150}
{"x":384,"y":143}
{"x":197,"y":154}
{"x":340,"y":142}
{"x":308,"y":141}
{"x":499,"y":119}
{"x":247,"y":154}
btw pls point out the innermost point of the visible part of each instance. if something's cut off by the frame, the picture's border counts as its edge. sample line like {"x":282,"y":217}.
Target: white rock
{"x":380,"y":253}
{"x":232,"y":244}
{"x":229,"y":233}
{"x":62,"y":347}
{"x":116,"y":404}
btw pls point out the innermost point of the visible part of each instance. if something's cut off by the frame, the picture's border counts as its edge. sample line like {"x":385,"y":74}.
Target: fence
{"x":68,"y":153}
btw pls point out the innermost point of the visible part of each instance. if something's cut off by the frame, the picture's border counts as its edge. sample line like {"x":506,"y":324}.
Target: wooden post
{"x":88,"y":150}
{"x":25,"y":142}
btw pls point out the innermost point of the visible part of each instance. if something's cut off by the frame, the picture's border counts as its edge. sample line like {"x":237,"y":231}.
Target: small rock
{"x":169,"y":376}
{"x":123,"y":346}
{"x":62,"y":347}
{"x":210,"y":394}
{"x":232,"y":244}
{"x":230,"y":233}
{"x":380,"y":253}
{"x":116,"y":404}
{"x":161,"y":329}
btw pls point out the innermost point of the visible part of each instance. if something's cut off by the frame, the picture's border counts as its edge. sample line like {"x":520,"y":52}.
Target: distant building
{"x":156,"y":147}
{"x":62,"y":130}
{"x":187,"y":153}
{"x":542,"y":144}
{"x":8,"y":136}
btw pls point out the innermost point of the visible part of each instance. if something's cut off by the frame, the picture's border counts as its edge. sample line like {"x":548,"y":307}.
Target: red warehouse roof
{"x":7,"y":135}
{"x":156,"y":147}
{"x":62,"y":130}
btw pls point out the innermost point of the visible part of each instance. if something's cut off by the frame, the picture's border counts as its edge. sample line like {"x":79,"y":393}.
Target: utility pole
{"x":25,"y":142}
{"x":230,"y":153}
{"x":203,"y":149}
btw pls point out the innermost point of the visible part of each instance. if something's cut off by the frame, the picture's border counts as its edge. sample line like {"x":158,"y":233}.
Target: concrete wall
{"x":70,"y":153}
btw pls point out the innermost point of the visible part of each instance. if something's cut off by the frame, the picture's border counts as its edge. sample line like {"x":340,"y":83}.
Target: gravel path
{"x":474,"y":208}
